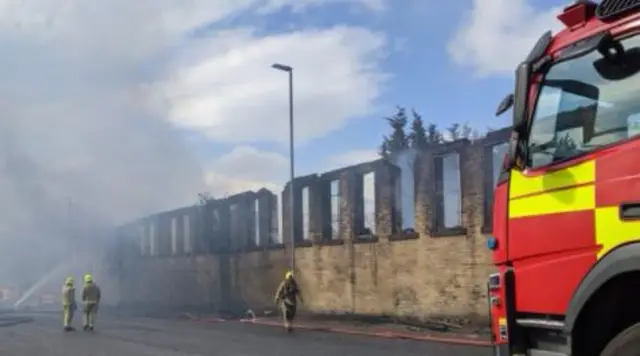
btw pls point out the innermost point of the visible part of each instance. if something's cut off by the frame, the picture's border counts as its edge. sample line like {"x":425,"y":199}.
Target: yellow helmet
{"x":88,"y":278}
{"x":288,"y":275}
{"x":68,"y":281}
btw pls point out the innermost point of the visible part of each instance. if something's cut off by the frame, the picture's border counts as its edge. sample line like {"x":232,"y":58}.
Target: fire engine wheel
{"x":627,"y":343}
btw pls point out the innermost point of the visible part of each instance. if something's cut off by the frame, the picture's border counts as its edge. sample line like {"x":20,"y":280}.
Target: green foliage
{"x":383,"y":151}
{"x":418,"y":134}
{"x":421,"y":135}
{"x":454,"y":132}
{"x":434,"y":135}
{"x":398,"y":140}
{"x":467,"y":131}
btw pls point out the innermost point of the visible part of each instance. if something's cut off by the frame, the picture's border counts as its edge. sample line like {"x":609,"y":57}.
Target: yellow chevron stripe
{"x":558,"y":201}
{"x":611,"y":231}
{"x":575,"y":175}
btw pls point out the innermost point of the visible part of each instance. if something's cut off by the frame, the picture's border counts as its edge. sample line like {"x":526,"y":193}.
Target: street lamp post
{"x":289,"y":70}
{"x":70,"y":231}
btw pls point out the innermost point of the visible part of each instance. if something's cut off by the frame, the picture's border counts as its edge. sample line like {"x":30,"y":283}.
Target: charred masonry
{"x":403,"y":237}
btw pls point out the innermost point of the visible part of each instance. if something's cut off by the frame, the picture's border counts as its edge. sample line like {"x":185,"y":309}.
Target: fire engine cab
{"x":566,"y":241}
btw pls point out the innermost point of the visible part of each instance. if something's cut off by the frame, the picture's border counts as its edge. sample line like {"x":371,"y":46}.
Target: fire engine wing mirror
{"x":505,"y":105}
{"x":521,"y":96}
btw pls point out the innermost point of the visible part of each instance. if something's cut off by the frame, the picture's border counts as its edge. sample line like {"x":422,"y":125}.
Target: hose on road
{"x":251,"y":319}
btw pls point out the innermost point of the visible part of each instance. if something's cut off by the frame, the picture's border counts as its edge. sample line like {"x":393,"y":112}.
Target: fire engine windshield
{"x":586,"y":103}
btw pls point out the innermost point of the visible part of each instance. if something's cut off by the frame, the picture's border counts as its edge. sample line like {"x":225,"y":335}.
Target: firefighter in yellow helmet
{"x":69,"y":305}
{"x":287,"y":299}
{"x":91,"y":299}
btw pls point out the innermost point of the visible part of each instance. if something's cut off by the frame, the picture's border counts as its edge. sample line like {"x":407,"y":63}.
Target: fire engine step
{"x":541,"y":323}
{"x":545,"y":353}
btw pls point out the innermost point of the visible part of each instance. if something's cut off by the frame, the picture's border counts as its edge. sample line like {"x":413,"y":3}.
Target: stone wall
{"x":386,"y":269}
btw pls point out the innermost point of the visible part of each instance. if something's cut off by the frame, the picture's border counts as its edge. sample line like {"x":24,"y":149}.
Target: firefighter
{"x":287,"y":299}
{"x":69,"y":305}
{"x":91,"y":299}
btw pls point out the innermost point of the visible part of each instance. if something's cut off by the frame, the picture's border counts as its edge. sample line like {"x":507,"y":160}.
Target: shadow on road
{"x":7,"y":320}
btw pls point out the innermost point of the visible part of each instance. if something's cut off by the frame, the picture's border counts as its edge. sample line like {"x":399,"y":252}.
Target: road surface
{"x":41,"y":334}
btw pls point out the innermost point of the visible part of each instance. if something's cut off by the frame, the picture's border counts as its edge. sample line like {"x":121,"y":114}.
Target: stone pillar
{"x":325,"y":182}
{"x":472,"y":168}
{"x":234,"y":223}
{"x":286,"y":216}
{"x":318,"y":196}
{"x":299,"y":184}
{"x":200,"y":231}
{"x":348,"y":204}
{"x":386,"y":176}
{"x":222,"y":245}
{"x":424,"y":191}
{"x":222,"y":227}
{"x":472,"y":178}
{"x":266,"y":203}
{"x":241,"y":220}
{"x":163,"y":235}
{"x":247,"y":226}
{"x":209,"y":219}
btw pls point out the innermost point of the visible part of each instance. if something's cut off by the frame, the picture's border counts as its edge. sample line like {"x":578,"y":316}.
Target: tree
{"x":565,"y":146}
{"x":384,"y":148}
{"x":398,"y":140}
{"x":434,"y":136}
{"x":470,"y":133}
{"x":418,"y":135}
{"x":467,"y":131}
{"x":454,"y":132}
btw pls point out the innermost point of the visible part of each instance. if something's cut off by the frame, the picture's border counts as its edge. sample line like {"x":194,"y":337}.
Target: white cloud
{"x":350,"y":158}
{"x":495,"y":35}
{"x":246,"y":168}
{"x":301,"y":5}
{"x":231,"y":94}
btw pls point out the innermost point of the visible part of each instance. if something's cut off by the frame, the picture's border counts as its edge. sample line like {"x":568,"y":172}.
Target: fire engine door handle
{"x":630,"y":211}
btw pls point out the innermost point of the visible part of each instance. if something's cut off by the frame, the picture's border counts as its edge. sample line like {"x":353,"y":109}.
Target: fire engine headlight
{"x":492,"y":243}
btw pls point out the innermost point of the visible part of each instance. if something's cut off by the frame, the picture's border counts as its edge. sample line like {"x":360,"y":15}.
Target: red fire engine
{"x":567,"y":206}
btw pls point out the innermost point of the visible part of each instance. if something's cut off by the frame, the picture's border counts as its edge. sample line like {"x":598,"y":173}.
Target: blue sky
{"x":422,"y":68}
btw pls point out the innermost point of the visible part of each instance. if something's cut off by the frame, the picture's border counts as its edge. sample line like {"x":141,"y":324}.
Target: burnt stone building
{"x":402,"y":237}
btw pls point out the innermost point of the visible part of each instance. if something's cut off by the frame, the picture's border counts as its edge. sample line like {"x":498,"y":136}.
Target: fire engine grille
{"x":611,"y":8}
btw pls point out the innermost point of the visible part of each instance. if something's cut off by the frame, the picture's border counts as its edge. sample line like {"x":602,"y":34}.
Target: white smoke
{"x":83,"y":138}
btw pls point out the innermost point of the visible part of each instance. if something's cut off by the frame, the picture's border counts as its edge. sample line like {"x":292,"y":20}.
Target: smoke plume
{"x":84,"y":143}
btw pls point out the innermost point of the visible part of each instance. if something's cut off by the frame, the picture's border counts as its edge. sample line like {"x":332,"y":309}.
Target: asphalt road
{"x":41,"y":334}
